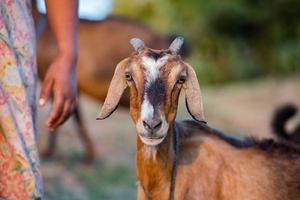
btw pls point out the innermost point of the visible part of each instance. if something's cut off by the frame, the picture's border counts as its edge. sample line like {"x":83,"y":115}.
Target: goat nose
{"x":152,"y":125}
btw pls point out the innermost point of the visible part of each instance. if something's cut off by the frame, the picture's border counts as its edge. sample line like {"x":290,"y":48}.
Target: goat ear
{"x":137,"y":44}
{"x":117,"y":86}
{"x":193,"y":95}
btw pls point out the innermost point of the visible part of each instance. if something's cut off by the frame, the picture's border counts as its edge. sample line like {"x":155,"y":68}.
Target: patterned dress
{"x":20,"y":177}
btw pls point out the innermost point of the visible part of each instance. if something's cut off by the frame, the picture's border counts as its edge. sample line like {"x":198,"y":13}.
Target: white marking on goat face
{"x":152,"y":68}
{"x":147,"y":110}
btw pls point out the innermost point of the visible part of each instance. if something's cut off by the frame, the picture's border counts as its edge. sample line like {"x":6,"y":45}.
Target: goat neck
{"x":156,"y":166}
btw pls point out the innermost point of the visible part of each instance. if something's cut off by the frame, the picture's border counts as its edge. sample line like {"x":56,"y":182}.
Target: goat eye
{"x":181,"y":80}
{"x":128,"y":76}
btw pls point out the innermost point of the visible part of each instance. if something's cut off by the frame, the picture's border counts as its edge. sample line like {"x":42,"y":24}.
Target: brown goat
{"x":102,"y":44}
{"x":190,"y":160}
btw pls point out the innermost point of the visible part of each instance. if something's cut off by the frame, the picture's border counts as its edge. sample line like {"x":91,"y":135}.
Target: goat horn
{"x":137,"y":44}
{"x":176,"y":45}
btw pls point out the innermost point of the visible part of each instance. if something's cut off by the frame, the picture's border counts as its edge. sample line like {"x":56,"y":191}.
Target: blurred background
{"x":246,"y":54}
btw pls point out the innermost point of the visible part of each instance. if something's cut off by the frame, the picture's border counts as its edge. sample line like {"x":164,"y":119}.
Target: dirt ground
{"x":242,"y":109}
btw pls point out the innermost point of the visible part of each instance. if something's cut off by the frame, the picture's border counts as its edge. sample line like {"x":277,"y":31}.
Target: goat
{"x":102,"y":44}
{"x":189,"y":159}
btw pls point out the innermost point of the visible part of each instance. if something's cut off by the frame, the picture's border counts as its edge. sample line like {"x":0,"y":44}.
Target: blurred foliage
{"x":231,"y":40}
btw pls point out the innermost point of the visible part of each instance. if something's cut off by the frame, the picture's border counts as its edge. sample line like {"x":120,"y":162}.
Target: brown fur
{"x":212,"y":168}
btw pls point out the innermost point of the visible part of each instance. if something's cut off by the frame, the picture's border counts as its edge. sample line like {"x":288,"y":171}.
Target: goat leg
{"x":50,"y":149}
{"x":84,"y":137}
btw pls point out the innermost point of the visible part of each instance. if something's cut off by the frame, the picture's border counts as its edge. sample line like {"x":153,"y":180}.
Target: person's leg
{"x":20,"y":176}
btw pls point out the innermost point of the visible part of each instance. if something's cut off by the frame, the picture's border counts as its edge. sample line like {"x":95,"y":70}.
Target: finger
{"x":64,"y":116}
{"x":45,"y":91}
{"x":56,"y":110}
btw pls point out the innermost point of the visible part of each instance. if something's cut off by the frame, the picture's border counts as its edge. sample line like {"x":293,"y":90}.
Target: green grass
{"x":72,"y":180}
{"x":108,"y":182}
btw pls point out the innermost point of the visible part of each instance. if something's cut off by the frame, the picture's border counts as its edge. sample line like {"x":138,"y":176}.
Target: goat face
{"x":154,"y":78}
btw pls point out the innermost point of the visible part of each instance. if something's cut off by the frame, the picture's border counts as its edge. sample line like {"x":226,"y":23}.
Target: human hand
{"x":60,"y":81}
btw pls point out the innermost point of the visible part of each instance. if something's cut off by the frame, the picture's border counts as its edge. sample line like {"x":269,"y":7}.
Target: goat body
{"x":214,"y":166}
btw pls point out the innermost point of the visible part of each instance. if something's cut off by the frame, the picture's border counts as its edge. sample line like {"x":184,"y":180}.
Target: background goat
{"x":102,"y":44}
{"x":190,"y":160}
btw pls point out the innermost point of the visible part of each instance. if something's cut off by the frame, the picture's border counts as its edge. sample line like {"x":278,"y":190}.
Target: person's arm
{"x":61,"y":75}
